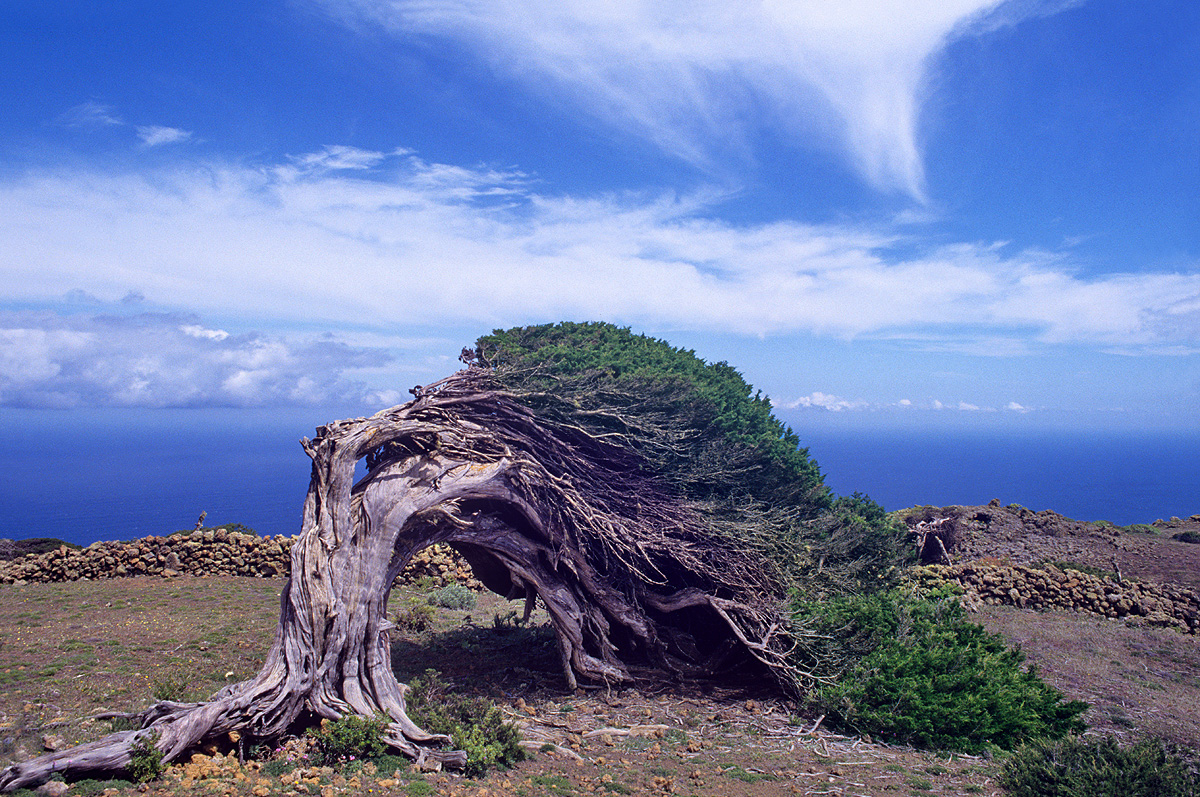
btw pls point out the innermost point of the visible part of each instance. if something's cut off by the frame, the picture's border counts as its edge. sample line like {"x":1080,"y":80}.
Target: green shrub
{"x":1188,"y":536}
{"x":916,"y":671}
{"x":474,"y":724}
{"x":1097,"y":768}
{"x":453,"y":596}
{"x":15,"y":549}
{"x":350,"y":738}
{"x":414,"y":615}
{"x":145,"y":760}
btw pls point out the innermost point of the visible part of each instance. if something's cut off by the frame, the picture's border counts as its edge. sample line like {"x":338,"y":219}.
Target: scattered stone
{"x":54,"y":788}
{"x":52,"y":742}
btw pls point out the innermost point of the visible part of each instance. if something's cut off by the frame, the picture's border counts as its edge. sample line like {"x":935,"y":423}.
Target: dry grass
{"x":1140,"y":681}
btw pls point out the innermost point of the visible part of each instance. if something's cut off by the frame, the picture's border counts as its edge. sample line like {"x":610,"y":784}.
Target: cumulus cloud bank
{"x":163,"y":360}
{"x":353,"y":237}
{"x":697,"y":76}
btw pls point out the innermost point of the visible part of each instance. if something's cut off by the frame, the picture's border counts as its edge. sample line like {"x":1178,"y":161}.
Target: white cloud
{"x":824,"y":401}
{"x":156,"y":135}
{"x":412,"y":243}
{"x":197,"y":331}
{"x":91,"y":114}
{"x":697,"y":77}
{"x":153,"y":360}
{"x":334,"y":157}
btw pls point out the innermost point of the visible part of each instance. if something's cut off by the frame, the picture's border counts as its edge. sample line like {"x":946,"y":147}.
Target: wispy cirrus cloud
{"x":91,"y":114}
{"x":701,"y":78}
{"x":157,"y":135}
{"x":48,"y":359}
{"x":395,"y":240}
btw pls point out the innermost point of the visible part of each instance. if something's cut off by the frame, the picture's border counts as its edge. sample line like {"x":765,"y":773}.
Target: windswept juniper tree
{"x":650,"y":500}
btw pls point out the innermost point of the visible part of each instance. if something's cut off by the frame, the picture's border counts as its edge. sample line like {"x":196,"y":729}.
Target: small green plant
{"x":509,"y":621}
{"x":918,"y":672}
{"x":746,"y":776}
{"x":1098,"y":768}
{"x":277,"y":767}
{"x":474,"y":724}
{"x":172,"y":686}
{"x":121,"y":724}
{"x":349,"y":738}
{"x":145,"y":760}
{"x":1188,"y":536}
{"x":419,"y":788}
{"x":414,"y":615}
{"x":453,"y":596}
{"x":1078,"y":566}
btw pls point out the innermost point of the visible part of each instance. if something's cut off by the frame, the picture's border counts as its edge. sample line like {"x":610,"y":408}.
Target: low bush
{"x":1188,"y":536}
{"x":474,"y":724}
{"x":350,"y":738}
{"x":916,"y":671}
{"x":14,"y":549}
{"x":1098,"y":768}
{"x":414,"y":615}
{"x":453,"y":596}
{"x":145,"y":760}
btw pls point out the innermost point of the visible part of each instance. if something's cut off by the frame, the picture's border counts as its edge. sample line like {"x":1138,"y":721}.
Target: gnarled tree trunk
{"x":632,"y":582}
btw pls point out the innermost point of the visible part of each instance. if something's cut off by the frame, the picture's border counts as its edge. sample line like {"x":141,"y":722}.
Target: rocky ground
{"x":1021,"y":536}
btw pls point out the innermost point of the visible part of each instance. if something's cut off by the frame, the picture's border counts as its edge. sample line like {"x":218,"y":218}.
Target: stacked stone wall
{"x":208,"y":552}
{"x":1048,"y":587}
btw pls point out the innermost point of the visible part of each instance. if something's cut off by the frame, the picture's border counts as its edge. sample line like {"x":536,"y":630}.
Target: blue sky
{"x":883,"y":213}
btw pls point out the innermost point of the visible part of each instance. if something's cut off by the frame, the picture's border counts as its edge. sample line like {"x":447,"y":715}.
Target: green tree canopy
{"x":703,"y":429}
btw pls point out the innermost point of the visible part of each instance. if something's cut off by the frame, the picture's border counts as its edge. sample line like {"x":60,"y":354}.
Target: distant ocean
{"x":132,"y":475}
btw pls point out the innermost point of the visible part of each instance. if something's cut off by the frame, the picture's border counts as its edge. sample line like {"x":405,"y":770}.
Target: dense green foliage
{"x":725,"y":429}
{"x":145,"y":760}
{"x":703,"y":429}
{"x":474,"y":724}
{"x":349,"y":738}
{"x":916,"y":671}
{"x":14,"y":549}
{"x":1075,"y":767}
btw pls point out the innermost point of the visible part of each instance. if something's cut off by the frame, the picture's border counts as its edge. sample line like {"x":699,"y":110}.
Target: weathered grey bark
{"x":631,"y":583}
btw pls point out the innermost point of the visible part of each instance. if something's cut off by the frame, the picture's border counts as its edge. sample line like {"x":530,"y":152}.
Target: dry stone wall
{"x":1048,"y":587}
{"x":207,"y":552}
